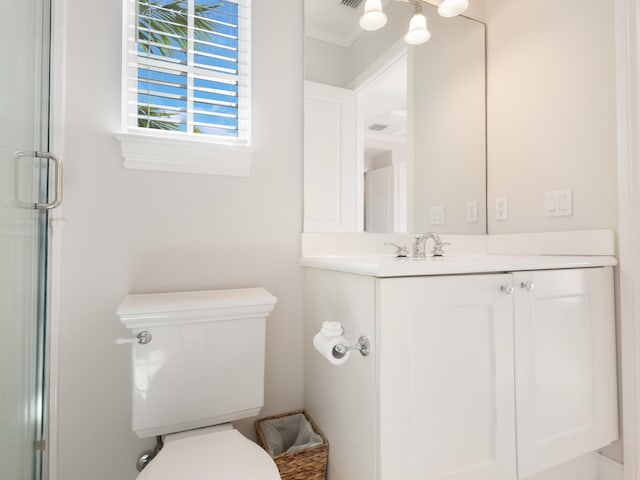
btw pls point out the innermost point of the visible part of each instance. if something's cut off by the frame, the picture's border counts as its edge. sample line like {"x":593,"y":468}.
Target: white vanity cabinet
{"x":565,"y":366}
{"x":446,"y":378}
{"x":486,"y":376}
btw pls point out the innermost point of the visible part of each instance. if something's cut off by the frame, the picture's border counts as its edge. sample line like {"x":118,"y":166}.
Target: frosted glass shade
{"x":373,"y":18}
{"x":451,"y":8}
{"x":418,"y":32}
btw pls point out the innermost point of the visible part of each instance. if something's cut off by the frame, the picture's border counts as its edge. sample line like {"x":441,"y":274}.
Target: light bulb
{"x":451,"y":8}
{"x":418,"y":32}
{"x":373,"y":18}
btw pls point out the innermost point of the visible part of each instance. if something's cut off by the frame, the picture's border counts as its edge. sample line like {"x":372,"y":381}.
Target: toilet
{"x":197,"y":365}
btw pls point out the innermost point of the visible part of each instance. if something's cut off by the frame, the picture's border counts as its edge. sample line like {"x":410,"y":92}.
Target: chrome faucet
{"x":420,"y":243}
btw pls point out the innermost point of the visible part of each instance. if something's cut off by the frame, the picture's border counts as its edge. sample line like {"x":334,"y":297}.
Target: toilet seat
{"x":221,"y":455}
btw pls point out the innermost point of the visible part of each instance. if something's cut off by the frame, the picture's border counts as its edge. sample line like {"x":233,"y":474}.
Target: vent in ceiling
{"x":378,"y":127}
{"x":351,"y":3}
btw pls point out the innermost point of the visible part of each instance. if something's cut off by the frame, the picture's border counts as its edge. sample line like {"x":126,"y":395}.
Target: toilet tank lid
{"x":202,"y":305}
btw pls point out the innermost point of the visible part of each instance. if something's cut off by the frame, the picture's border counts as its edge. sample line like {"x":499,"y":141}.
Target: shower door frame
{"x":56,"y":225}
{"x":28,"y":165}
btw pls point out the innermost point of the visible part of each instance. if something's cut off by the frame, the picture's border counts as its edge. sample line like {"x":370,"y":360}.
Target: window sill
{"x":150,"y":152}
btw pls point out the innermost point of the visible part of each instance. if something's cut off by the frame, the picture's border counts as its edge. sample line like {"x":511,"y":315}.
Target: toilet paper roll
{"x":325,"y":344}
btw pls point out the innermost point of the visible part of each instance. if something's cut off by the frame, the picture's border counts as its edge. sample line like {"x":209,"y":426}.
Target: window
{"x":186,"y":72}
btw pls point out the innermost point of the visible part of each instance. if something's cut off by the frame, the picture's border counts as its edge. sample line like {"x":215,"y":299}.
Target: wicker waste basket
{"x":307,"y":462}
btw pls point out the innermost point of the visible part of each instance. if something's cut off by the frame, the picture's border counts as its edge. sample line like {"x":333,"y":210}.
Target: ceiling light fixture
{"x":374,"y":18}
{"x":451,"y":8}
{"x":418,"y":32}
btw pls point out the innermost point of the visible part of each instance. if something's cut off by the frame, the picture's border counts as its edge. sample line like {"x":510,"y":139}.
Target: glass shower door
{"x":25,"y":190}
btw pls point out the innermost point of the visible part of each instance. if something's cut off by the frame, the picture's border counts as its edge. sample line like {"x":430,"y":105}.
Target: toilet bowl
{"x":197,"y":365}
{"x":210,"y":454}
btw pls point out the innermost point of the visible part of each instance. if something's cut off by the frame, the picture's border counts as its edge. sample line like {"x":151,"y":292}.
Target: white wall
{"x":135,"y":231}
{"x":380,"y":152}
{"x":325,"y":62}
{"x":551,"y":112}
{"x":447,"y":111}
{"x":477,"y":10}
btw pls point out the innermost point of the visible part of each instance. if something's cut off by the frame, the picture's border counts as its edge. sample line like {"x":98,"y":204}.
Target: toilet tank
{"x":204,"y":364}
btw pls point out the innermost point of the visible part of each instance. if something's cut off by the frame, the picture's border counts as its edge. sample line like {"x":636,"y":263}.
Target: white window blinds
{"x":188,"y":68}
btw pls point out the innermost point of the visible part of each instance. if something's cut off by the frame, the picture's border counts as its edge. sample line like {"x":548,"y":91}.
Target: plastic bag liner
{"x":289,"y":434}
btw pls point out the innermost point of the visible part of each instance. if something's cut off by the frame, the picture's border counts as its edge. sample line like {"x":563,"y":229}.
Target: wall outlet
{"x":437,"y":215}
{"x":472,"y":211}
{"x":502,"y":208}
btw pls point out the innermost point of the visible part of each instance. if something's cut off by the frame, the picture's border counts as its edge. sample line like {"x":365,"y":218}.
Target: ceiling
{"x":330,"y":21}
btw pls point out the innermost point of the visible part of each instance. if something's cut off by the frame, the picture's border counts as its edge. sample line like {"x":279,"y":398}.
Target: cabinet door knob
{"x":507,"y":289}
{"x":528,"y":286}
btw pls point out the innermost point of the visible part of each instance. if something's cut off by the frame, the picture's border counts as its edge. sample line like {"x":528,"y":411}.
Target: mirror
{"x":394,"y":135}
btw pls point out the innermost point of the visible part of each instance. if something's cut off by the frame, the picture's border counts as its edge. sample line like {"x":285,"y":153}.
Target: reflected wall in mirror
{"x":394,"y":135}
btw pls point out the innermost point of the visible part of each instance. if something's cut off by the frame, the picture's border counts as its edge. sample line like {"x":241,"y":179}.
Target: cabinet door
{"x":565,"y":365}
{"x":445,"y":363}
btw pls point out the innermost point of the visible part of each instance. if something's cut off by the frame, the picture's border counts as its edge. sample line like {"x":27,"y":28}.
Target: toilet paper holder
{"x":331,"y":343}
{"x":363,"y":346}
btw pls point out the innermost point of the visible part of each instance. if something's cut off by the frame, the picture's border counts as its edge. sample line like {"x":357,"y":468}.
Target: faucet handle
{"x":438,"y":249}
{"x":401,"y":251}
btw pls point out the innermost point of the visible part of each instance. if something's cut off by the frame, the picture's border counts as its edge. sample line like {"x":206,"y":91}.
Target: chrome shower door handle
{"x":55,"y":167}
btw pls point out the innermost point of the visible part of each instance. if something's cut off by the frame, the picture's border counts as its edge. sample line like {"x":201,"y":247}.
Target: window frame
{"x":164,"y":150}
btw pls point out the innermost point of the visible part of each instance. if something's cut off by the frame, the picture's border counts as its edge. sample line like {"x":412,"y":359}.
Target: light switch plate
{"x":550,"y":204}
{"x":558,"y":203}
{"x":565,"y":203}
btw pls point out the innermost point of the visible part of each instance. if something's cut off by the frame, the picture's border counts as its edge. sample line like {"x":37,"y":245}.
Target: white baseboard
{"x":609,"y":469}
{"x":592,"y":466}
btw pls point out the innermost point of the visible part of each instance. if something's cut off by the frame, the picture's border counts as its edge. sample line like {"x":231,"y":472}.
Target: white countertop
{"x":389,"y":266}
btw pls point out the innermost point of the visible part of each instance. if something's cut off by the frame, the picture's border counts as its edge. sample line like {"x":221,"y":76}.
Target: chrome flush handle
{"x":142,"y":338}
